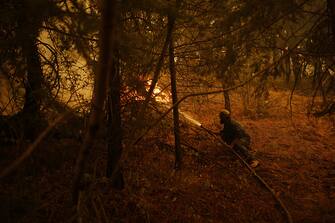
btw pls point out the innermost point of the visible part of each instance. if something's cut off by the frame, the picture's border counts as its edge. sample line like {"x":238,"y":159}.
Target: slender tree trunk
{"x":226,"y":97}
{"x":227,"y":101}
{"x":114,"y":127}
{"x":157,"y":70}
{"x":176,"y":130}
{"x":99,"y":93}
{"x":160,"y":61}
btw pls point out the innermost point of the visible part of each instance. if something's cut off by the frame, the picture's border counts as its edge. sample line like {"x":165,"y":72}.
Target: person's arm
{"x":221,"y":133}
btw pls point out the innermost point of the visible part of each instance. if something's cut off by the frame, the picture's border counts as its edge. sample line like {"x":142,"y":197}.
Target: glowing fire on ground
{"x":165,"y":99}
{"x":158,"y":94}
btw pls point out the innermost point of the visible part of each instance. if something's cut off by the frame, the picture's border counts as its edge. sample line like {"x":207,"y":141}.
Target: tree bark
{"x":227,"y":101}
{"x":30,"y":114}
{"x":331,"y":10}
{"x":33,"y":85}
{"x":172,"y":67}
{"x":225,"y":83}
{"x":99,"y":93}
{"x":114,"y":127}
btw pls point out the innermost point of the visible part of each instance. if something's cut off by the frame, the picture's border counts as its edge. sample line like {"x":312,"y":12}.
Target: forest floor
{"x":296,"y":154}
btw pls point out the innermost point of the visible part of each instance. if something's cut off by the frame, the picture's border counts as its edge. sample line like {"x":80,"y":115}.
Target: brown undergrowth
{"x":297,"y":158}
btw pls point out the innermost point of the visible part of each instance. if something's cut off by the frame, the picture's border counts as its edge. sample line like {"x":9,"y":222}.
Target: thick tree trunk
{"x":114,"y":127}
{"x":29,"y":29}
{"x":176,"y":130}
{"x":331,"y":11}
{"x":99,"y":93}
{"x":33,"y":84}
{"x":30,"y":114}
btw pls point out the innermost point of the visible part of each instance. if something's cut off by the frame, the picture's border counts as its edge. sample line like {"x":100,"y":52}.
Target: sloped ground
{"x":297,"y":160}
{"x":297,"y":155}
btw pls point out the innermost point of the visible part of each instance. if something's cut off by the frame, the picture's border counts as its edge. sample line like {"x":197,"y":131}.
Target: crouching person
{"x":236,"y":136}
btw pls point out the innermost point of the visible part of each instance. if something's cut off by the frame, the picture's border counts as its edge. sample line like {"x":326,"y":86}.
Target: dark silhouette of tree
{"x":107,"y":52}
{"x":114,"y":128}
{"x":21,"y":23}
{"x":245,"y":48}
{"x":172,"y":67}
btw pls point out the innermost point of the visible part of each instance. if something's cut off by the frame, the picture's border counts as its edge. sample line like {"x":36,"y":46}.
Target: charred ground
{"x":296,"y":154}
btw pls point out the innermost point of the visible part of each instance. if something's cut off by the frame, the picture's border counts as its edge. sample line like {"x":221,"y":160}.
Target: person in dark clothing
{"x":236,"y":136}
